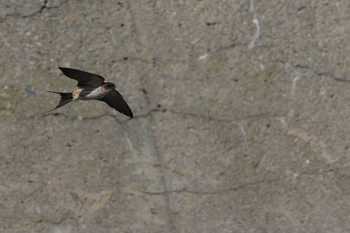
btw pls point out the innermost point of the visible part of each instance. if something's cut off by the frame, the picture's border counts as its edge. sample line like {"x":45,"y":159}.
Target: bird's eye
{"x":109,"y":85}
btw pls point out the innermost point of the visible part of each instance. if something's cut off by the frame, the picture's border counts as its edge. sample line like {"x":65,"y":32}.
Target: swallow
{"x":92,"y":87}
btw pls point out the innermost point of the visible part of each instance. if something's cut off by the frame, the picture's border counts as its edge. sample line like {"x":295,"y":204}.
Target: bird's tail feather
{"x":65,"y":99}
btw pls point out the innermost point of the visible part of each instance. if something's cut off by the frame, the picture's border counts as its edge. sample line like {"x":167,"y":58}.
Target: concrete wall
{"x":241,"y":117}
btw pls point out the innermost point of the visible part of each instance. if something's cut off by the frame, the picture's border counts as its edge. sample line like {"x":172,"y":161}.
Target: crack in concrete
{"x":223,"y":191}
{"x":138,"y":45}
{"x":42,"y":8}
{"x":238,"y":187}
{"x":328,"y":74}
{"x":59,"y":221}
{"x":237,"y":121}
{"x":161,"y":163}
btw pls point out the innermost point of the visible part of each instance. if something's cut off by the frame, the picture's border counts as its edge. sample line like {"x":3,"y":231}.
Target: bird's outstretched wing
{"x":83,"y":78}
{"x":115,"y":100}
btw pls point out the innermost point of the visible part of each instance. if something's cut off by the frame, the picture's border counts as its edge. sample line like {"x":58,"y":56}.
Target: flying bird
{"x":92,"y":87}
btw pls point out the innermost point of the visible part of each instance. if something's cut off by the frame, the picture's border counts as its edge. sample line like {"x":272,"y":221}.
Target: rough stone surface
{"x":241,"y":117}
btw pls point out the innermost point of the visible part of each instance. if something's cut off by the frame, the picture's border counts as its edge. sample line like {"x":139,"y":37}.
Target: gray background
{"x":241,"y":116}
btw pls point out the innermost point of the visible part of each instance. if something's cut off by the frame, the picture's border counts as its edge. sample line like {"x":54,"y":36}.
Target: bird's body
{"x":93,"y":87}
{"x":89,"y":93}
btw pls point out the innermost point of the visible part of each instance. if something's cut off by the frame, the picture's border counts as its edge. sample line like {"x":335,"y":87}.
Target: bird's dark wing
{"x":115,"y":100}
{"x":83,"y":78}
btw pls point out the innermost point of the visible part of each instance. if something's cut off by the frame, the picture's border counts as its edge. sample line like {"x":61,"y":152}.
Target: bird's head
{"x":109,"y":86}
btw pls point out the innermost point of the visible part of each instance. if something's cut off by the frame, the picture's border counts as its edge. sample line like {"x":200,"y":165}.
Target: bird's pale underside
{"x":92,"y":87}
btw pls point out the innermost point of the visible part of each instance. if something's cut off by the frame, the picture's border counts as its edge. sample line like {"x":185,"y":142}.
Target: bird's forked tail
{"x":65,"y":99}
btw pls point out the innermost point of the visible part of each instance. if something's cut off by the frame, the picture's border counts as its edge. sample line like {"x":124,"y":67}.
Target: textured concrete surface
{"x":241,"y":117}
